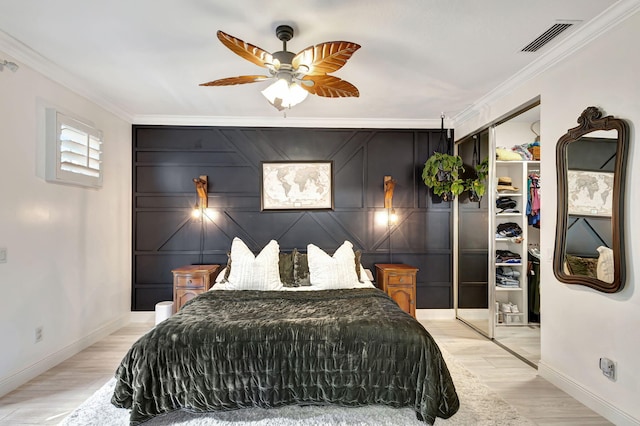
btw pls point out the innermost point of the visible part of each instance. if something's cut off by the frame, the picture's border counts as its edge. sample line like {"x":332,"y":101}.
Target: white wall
{"x":68,"y":264}
{"x":580,"y":325}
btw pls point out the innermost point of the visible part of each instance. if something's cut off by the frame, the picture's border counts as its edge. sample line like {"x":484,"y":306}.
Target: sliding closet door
{"x":472,"y":251}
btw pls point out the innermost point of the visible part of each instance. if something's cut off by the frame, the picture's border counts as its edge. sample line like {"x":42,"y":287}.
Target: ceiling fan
{"x":295,"y":75}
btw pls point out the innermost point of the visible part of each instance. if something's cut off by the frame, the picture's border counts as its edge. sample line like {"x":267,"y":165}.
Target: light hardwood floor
{"x":48,"y":398}
{"x":523,"y":340}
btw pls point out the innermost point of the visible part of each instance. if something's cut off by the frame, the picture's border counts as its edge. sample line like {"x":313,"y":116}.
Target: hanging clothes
{"x":533,"y":284}
{"x":533,"y":200}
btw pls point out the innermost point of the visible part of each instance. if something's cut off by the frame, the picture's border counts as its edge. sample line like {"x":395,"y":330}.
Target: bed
{"x":234,"y":349}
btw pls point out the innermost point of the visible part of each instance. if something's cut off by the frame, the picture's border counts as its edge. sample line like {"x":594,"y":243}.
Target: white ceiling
{"x":144,"y":59}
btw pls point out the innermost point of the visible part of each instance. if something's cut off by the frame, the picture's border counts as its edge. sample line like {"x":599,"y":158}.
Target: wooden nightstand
{"x":399,"y":282}
{"x":190,"y":281}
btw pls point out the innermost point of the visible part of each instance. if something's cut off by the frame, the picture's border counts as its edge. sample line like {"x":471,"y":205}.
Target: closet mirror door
{"x":472,"y":244}
{"x":591,"y":173}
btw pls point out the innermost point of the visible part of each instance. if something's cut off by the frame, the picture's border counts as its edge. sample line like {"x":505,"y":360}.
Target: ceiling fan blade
{"x":246,"y":50}
{"x":330,"y":86}
{"x":324,"y":58}
{"x":230,"y":81}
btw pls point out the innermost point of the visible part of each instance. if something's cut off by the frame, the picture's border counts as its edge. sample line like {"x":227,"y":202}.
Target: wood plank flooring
{"x":48,"y":398}
{"x":523,"y":339}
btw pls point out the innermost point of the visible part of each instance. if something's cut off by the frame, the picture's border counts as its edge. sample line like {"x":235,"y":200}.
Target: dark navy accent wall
{"x":165,"y":236}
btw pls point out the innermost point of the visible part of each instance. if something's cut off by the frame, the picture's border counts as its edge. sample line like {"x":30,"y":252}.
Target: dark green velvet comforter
{"x":233,"y":349}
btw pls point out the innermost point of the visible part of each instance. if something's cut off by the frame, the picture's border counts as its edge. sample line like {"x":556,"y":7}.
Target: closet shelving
{"x":508,"y":296}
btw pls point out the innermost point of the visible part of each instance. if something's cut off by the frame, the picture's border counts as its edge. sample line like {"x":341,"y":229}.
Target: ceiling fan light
{"x":283,"y":94}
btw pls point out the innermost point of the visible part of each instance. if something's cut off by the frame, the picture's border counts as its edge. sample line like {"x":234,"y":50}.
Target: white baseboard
{"x":585,"y":396}
{"x":10,"y":383}
{"x":435,"y":314}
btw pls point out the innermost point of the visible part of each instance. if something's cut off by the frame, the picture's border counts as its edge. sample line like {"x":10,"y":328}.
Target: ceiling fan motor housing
{"x":284,"y":33}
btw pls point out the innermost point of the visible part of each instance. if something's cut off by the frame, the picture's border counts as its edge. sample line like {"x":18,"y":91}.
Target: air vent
{"x":554,"y":31}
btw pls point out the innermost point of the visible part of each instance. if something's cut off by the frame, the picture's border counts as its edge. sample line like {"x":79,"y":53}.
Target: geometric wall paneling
{"x":167,"y":158}
{"x":473,"y":295}
{"x":387,"y":153}
{"x":434,"y":297}
{"x":167,"y":230}
{"x":146,"y":296}
{"x":258,"y":228}
{"x":355,"y":223}
{"x":186,"y":139}
{"x":473,"y":270}
{"x":408,"y":234}
{"x":178,"y":178}
{"x":437,"y":232}
{"x":585,"y":234}
{"x":326,"y":232}
{"x":349,"y":178}
{"x":298,"y":144}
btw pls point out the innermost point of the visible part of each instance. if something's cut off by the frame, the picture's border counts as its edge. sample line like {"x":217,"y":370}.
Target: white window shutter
{"x":74,"y":151}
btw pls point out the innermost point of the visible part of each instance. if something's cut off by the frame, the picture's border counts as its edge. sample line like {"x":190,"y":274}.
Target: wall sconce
{"x":389,"y":185}
{"x":200,"y":209}
{"x":392,"y":217}
{"x":202,"y":184}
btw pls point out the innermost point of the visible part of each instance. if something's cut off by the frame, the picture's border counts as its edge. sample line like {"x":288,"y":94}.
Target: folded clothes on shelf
{"x":507,"y":277}
{"x":507,"y":230}
{"x":506,"y":256}
{"x":506,"y":205}
{"x":507,"y":271}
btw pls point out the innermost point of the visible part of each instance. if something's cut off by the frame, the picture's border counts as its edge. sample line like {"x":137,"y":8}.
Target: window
{"x":74,"y":153}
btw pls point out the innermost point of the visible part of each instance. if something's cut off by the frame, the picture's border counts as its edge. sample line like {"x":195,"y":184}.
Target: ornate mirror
{"x":591,"y":161}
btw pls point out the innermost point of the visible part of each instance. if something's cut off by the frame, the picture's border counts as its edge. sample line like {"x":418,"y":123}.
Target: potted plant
{"x":477,"y":185}
{"x":441,"y":173}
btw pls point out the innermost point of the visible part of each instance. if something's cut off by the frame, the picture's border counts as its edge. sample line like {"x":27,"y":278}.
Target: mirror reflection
{"x":590,"y":172}
{"x":591,"y":163}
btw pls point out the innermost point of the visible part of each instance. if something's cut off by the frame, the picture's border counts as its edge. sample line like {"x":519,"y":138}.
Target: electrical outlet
{"x":39,"y":331}
{"x":608,"y":368}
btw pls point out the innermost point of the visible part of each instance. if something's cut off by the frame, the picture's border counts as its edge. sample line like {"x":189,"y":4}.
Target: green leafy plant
{"x":442,"y":172}
{"x":477,"y":186}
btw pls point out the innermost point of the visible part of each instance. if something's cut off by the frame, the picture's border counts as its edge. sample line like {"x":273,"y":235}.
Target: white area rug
{"x":478,"y":406}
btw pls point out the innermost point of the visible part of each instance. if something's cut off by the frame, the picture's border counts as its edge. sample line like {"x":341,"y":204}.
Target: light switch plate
{"x":3,"y":255}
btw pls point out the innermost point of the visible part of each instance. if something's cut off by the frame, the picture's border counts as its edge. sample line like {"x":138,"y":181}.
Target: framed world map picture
{"x":590,"y":193}
{"x":297,"y":185}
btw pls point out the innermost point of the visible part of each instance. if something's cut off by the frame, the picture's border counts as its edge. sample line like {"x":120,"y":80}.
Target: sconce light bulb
{"x":196,"y":213}
{"x":393,"y":217}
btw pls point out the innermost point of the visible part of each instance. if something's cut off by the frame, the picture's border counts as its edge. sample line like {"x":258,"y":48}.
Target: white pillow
{"x":604,"y":270}
{"x":249,"y":272}
{"x":220,"y":276}
{"x":332,"y":272}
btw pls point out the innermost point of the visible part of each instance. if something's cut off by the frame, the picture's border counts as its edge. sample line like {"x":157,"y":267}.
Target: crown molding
{"x":29,"y":57}
{"x":281,"y":121}
{"x":579,"y":38}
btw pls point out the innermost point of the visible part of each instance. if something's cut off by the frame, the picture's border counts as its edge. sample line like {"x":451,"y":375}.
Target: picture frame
{"x":590,"y":193}
{"x":297,"y":185}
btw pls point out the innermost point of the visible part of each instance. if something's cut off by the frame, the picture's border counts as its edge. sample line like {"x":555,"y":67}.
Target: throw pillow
{"x":286,"y":266}
{"x":604,"y":270}
{"x":332,"y":272}
{"x":251,"y":272}
{"x":584,"y":266}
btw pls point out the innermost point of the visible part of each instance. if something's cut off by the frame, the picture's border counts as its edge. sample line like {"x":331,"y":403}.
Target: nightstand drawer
{"x":400,"y":279}
{"x":189,"y":281}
